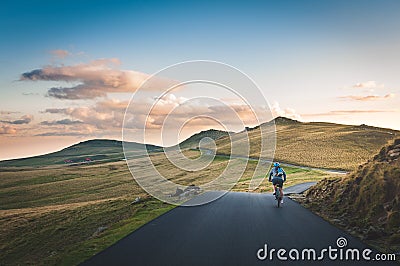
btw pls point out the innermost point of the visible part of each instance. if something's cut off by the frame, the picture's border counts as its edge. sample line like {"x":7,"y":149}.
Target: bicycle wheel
{"x":278,"y":197}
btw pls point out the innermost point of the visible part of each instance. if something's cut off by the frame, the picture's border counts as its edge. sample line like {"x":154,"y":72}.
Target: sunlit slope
{"x":315,"y":144}
{"x":367,"y":201}
{"x":194,"y":140}
{"x":97,"y":150}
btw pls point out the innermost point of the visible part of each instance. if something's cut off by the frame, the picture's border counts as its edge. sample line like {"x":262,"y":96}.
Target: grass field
{"x":64,"y":214}
{"x":55,"y":213}
{"x":323,"y":145}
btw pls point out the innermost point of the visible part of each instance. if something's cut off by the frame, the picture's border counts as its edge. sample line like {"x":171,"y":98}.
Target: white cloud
{"x":371,"y":84}
{"x":287,"y":112}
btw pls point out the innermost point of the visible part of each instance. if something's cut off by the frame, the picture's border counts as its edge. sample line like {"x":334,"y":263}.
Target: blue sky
{"x":306,"y":56}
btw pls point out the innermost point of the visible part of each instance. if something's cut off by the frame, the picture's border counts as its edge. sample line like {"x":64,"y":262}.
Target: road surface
{"x":229,"y":231}
{"x":299,"y":188}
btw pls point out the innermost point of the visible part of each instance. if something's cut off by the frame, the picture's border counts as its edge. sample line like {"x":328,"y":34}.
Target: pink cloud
{"x":61,"y":54}
{"x":109,"y":114}
{"x":7,"y":129}
{"x":348,"y":112}
{"x":368,"y":97}
{"x":96,"y":79}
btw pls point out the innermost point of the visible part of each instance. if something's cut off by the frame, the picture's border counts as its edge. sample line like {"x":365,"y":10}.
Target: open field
{"x":65,"y":214}
{"x":56,"y":213}
{"x":185,"y":178}
{"x":322,"y":145}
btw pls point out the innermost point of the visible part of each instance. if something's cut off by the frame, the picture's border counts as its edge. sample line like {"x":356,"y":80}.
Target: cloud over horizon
{"x":7,"y":129}
{"x":371,"y":84}
{"x":61,"y":122}
{"x":287,"y":112}
{"x":368,"y":97}
{"x":25,"y":119}
{"x":348,"y":112}
{"x":108,"y":114}
{"x":96,"y":79}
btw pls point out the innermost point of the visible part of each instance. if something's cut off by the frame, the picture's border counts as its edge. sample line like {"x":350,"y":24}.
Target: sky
{"x":69,"y":68}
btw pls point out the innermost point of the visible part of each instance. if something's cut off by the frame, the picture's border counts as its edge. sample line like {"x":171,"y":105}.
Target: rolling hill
{"x":193,"y":141}
{"x":62,"y":215}
{"x":97,"y":150}
{"x":316,"y":144}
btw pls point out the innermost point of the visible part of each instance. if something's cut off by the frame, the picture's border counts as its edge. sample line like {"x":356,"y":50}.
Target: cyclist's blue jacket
{"x":275,"y":171}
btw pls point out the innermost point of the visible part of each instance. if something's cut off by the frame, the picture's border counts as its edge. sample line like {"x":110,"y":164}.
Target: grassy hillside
{"x":193,"y":141}
{"x":63,"y":215}
{"x":324,"y":145}
{"x":98,"y":150}
{"x":367,"y":202}
{"x":51,"y":213}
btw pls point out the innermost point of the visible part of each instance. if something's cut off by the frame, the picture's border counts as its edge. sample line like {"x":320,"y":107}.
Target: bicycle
{"x":278,"y":196}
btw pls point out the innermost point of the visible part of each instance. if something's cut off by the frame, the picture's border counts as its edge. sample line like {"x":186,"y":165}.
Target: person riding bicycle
{"x":277,"y":176}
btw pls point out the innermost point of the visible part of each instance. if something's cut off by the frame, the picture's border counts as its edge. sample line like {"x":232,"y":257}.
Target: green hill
{"x":96,"y":150}
{"x":193,"y":141}
{"x":366,"y":202}
{"x":316,"y":144}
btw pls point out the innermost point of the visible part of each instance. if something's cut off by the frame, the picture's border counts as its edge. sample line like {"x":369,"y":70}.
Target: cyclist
{"x":277,"y":176}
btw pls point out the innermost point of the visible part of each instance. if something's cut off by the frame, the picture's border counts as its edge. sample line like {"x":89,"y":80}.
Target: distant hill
{"x":97,"y":150}
{"x":193,"y":141}
{"x":316,"y":144}
{"x":367,"y":202}
{"x":281,"y":121}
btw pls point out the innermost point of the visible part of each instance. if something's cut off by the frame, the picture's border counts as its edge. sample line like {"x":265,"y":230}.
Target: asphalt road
{"x":229,"y":231}
{"x":299,"y":188}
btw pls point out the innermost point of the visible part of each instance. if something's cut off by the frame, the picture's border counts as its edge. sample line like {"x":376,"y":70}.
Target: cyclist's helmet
{"x":276,"y":164}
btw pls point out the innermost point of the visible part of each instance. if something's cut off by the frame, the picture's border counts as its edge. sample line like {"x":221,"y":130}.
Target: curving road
{"x":229,"y":231}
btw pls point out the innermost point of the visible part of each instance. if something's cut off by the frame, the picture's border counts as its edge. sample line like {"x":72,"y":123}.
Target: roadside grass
{"x":64,"y":215}
{"x":144,"y":212}
{"x":365,"y":202}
